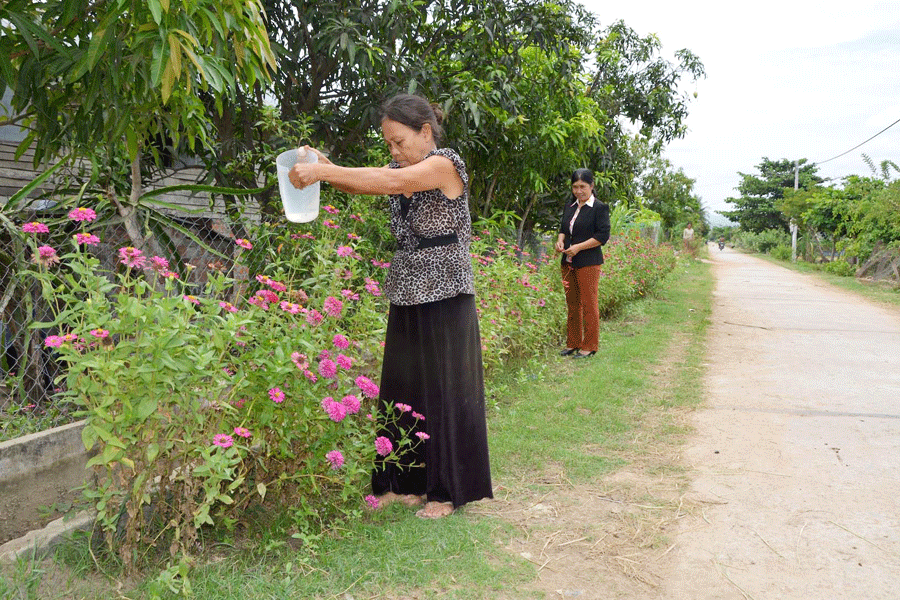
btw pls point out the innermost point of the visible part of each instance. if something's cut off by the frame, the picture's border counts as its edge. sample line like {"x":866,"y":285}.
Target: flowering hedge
{"x":202,"y":402}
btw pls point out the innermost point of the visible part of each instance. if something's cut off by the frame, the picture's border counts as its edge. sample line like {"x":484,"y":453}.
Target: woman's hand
{"x":571,"y":251}
{"x":559,"y":246}
{"x":322,"y":158}
{"x":303,"y":174}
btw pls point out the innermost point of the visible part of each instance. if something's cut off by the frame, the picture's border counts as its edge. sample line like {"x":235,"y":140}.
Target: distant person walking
{"x":584,"y":228}
{"x":687,"y":239}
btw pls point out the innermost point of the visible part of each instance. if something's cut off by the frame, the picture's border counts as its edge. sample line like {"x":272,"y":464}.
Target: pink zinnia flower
{"x":403,"y":407}
{"x":345,"y":362}
{"x":159,"y":264}
{"x":100,"y":333}
{"x":86,"y":239}
{"x":422,"y":435}
{"x":35,"y":227}
{"x":418,"y":416}
{"x":333,"y":307}
{"x":246,"y":245}
{"x":327,"y":368}
{"x":222,"y":440}
{"x":268,"y":296}
{"x":336,"y":459}
{"x":337,"y":412}
{"x":82,"y":214}
{"x":349,"y":294}
{"x":340,"y":342}
{"x":369,"y":389}
{"x":276,"y":395}
{"x":289,"y":307}
{"x":242,"y":431}
{"x":330,"y":209}
{"x":277,"y":286}
{"x":300,"y":360}
{"x":372,"y":501}
{"x":192,"y":299}
{"x":351,"y":403}
{"x":46,"y":256}
{"x":314,"y":317}
{"x":372,"y":287}
{"x":239,"y":403}
{"x":259,"y":301}
{"x":331,"y":224}
{"x":310,"y":375}
{"x":228,"y":306}
{"x":53,"y":341}
{"x":383,"y":446}
{"x":344,"y":251}
{"x":132,"y":257}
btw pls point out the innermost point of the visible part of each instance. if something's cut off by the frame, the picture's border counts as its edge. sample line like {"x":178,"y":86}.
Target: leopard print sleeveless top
{"x":419,"y":275}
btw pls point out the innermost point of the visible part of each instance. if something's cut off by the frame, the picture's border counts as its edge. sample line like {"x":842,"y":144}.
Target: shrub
{"x":763,"y":241}
{"x":840,"y":267}
{"x":781,"y":252}
{"x":257,"y":389}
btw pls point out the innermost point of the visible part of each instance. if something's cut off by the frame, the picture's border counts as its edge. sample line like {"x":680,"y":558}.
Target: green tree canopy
{"x":108,"y":80}
{"x":756,"y":208}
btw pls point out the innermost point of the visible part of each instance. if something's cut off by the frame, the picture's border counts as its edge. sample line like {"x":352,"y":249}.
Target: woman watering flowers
{"x":432,"y":354}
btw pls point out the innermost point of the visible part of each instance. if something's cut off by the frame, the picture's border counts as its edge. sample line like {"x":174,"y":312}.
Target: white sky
{"x":785,"y":79}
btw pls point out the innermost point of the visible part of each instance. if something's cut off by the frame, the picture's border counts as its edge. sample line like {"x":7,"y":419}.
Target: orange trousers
{"x":583,"y":322}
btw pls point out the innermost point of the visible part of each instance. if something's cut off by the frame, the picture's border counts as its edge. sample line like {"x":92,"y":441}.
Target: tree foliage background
{"x":532,"y":89}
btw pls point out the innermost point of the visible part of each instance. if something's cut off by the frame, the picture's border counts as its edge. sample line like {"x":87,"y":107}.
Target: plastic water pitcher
{"x":300,"y":205}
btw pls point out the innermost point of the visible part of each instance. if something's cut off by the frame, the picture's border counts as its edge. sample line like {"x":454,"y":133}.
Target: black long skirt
{"x":432,"y":362}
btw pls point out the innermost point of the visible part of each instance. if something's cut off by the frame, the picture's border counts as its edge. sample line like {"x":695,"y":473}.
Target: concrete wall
{"x":37,"y":471}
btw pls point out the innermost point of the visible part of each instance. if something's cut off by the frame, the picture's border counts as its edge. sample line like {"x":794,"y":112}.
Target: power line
{"x":821,"y":162}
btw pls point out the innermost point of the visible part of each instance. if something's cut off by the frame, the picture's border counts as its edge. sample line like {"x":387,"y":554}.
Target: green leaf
{"x":35,"y":183}
{"x":202,"y":188}
{"x":157,"y":64}
{"x":156,"y":11}
{"x":145,"y":408}
{"x":152,"y":451}
{"x":132,"y":143}
{"x":88,"y":437}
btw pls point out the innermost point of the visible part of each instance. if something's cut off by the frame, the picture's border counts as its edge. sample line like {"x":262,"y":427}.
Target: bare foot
{"x":435,"y":510}
{"x":404,"y":499}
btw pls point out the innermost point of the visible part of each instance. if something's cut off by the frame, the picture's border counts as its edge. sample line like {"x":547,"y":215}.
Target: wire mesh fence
{"x":193,"y":233}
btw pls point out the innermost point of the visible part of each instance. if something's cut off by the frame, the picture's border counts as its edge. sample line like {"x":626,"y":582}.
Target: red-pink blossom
{"x":82,"y":214}
{"x":35,"y":227}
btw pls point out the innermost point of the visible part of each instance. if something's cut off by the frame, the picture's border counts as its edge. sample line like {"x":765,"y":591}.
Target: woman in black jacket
{"x":583,"y":230}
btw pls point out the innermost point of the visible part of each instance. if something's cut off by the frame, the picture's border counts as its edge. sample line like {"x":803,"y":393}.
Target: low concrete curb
{"x":40,"y":450}
{"x":39,"y":542}
{"x":39,"y":470}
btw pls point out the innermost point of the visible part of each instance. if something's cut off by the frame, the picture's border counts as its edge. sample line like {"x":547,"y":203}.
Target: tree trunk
{"x":489,"y":196}
{"x":129,"y":211}
{"x":528,"y":208}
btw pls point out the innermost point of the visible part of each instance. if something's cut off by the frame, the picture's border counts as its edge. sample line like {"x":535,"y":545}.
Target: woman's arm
{"x":350,"y":189}
{"x":601,"y":225}
{"x":435,"y":172}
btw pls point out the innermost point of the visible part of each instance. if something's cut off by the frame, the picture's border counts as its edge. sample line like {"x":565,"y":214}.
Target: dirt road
{"x":797,"y":452}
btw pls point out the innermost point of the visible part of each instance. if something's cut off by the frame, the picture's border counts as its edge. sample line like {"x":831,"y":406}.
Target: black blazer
{"x":592,"y":222}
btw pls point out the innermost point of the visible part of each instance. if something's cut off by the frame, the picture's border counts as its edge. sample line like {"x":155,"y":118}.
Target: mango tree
{"x":113,"y":81}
